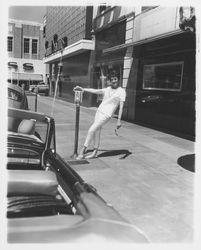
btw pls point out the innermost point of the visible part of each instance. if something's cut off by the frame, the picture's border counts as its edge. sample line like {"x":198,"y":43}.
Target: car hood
{"x":93,"y":221}
{"x":66,"y":228}
{"x":100,"y":223}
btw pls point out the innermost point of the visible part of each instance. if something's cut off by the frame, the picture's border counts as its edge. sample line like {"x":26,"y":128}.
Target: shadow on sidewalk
{"x":107,"y":153}
{"x":187,"y":162}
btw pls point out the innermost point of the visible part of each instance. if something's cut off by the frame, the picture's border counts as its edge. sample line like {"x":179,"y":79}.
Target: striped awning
{"x":26,"y":76}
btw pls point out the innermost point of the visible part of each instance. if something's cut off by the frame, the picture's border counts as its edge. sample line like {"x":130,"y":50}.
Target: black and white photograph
{"x":101,"y":123}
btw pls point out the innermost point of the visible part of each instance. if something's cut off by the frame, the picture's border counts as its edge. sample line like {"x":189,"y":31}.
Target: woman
{"x":113,"y":96}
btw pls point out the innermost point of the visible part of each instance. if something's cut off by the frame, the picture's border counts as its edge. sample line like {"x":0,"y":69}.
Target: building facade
{"x":153,"y":48}
{"x":69,"y":48}
{"x":25,"y":47}
{"x":164,"y":56}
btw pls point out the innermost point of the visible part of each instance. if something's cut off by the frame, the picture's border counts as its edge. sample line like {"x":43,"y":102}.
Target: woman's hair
{"x":114,"y":73}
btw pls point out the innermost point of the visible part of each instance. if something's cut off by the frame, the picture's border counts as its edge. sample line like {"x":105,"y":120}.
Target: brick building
{"x":68,"y":42}
{"x":25,"y":47}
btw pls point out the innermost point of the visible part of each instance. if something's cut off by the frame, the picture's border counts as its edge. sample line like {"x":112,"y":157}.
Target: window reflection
{"x":165,"y":76}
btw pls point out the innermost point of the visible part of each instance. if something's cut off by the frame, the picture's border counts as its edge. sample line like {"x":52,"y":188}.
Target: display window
{"x":163,"y":76}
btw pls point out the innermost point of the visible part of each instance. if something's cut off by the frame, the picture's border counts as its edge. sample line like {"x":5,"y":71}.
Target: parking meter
{"x":78,"y":97}
{"x":78,"y":100}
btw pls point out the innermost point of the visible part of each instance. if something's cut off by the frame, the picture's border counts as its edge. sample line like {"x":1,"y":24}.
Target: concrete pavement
{"x":139,"y":171}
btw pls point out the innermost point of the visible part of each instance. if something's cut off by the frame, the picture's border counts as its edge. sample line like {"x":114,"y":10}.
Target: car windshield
{"x":28,"y":124}
{"x":14,"y":95}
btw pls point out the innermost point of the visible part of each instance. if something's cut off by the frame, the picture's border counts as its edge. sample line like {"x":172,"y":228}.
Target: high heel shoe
{"x":92,"y":155}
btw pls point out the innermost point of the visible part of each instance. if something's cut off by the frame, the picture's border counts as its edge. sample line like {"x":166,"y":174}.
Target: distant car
{"x":40,"y":87}
{"x":17,"y":97}
{"x":47,"y":200}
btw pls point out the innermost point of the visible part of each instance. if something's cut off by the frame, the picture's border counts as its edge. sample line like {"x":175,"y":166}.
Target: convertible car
{"x":47,"y":200}
{"x":17,"y":97}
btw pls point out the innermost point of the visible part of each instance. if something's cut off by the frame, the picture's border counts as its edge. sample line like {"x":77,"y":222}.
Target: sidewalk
{"x":137,"y":172}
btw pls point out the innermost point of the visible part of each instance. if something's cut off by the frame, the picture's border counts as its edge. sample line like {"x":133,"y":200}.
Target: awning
{"x":28,"y":66}
{"x":143,"y":41}
{"x":24,"y":76}
{"x":12,"y":65}
{"x":71,"y":50}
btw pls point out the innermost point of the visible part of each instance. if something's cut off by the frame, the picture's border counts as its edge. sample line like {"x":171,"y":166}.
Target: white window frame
{"x":165,"y":89}
{"x":30,"y":45}
{"x":37,"y":45}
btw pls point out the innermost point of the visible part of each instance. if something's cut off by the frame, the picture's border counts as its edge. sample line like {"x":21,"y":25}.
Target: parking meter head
{"x":78,"y":96}
{"x":78,"y":88}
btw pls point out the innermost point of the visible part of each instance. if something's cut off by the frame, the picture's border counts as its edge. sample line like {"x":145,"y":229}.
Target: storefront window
{"x":164,"y":76}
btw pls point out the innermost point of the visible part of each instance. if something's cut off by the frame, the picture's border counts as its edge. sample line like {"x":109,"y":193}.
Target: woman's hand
{"x":118,"y":124}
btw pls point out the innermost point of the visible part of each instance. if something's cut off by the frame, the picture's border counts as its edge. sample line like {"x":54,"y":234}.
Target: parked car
{"x":17,"y":97}
{"x":40,"y":87}
{"x":47,"y":200}
{"x":41,"y":210}
{"x":30,"y":135}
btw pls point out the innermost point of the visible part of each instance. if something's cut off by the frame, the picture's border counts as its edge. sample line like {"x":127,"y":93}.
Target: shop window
{"x":26,"y":45}
{"x":10,"y":44}
{"x":165,"y":76}
{"x":34,"y":46}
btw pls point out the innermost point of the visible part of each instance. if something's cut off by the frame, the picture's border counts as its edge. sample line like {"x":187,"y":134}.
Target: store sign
{"x":155,"y":22}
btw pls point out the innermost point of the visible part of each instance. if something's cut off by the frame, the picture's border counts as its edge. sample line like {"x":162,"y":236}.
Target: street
{"x":136,"y":171}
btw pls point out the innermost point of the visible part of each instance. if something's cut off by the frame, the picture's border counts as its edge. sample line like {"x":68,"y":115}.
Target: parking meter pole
{"x":77,"y":118}
{"x":36,"y":102}
{"x":77,"y":100}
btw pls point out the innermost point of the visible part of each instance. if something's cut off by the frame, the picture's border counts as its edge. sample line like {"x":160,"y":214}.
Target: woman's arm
{"x":93,"y":91}
{"x":89,"y":90}
{"x":121,"y":105}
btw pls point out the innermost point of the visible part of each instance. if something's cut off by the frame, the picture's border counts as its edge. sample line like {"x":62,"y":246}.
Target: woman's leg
{"x":96,"y":139}
{"x":95,"y":127}
{"x":89,"y":138}
{"x":99,"y":121}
